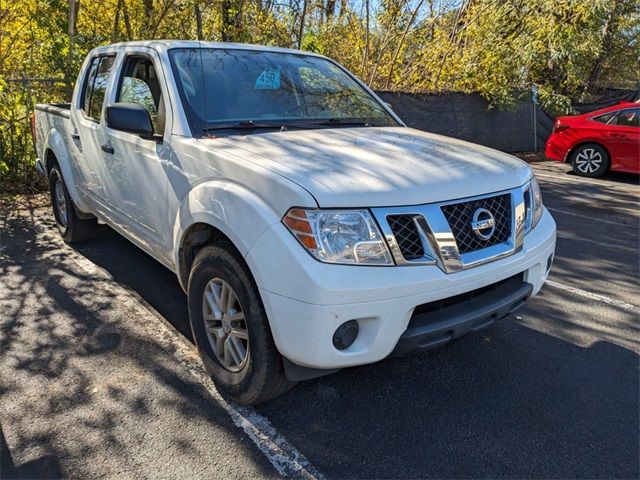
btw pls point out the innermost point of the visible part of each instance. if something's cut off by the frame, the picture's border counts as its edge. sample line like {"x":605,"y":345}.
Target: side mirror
{"x":129,"y":117}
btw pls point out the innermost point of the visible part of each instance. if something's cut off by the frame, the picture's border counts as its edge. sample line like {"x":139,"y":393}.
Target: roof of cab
{"x":163,"y":45}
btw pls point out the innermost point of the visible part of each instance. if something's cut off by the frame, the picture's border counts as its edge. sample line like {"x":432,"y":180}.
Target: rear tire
{"x":590,"y":160}
{"x":231,"y":329}
{"x":71,"y":226}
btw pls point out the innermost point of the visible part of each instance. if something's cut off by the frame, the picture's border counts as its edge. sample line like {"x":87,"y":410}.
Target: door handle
{"x":107,"y":149}
{"x":617,"y":135}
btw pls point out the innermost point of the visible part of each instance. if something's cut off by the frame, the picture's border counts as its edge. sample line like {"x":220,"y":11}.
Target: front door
{"x":623,"y":134}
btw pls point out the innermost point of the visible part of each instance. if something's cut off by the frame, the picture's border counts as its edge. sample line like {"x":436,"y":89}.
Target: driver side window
{"x":139,"y":84}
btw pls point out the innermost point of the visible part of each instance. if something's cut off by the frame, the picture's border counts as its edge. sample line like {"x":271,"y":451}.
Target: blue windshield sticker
{"x":269,"y":79}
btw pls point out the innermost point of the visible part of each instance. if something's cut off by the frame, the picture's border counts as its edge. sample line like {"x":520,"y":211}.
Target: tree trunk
{"x":159,"y":18}
{"x":127,"y":21}
{"x":608,"y":31}
{"x":198,"y":13}
{"x":302,"y":20}
{"x":365,"y":56}
{"x":148,"y":16}
{"x":401,"y":42}
{"x":116,"y":22}
{"x":329,"y":9}
{"x":74,"y":6}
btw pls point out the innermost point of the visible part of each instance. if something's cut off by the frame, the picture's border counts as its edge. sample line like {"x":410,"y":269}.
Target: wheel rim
{"x":61,"y":202}
{"x":589,"y":160}
{"x":225,"y":325}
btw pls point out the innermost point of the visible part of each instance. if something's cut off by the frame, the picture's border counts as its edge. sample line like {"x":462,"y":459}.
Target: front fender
{"x":54,"y":142}
{"x":239,"y":213}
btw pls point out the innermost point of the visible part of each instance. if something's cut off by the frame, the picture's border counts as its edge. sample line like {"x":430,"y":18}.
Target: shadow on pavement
{"x":132,"y":268}
{"x":509,"y":402}
{"x":43,"y":467}
{"x":86,"y":389}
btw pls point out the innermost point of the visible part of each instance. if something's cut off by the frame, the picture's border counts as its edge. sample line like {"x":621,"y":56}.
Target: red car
{"x":596,"y":142}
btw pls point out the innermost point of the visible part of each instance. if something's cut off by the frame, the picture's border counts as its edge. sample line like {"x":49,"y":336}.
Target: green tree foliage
{"x":571,"y":49}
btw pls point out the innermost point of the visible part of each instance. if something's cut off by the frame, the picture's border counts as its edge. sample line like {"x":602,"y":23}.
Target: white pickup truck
{"x":311,"y":229}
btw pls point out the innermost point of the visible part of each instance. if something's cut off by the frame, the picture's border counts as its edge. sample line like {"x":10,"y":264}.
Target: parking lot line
{"x":284,"y":457}
{"x":594,"y":296}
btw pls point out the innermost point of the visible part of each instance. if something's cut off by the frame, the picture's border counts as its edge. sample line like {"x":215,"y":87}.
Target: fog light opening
{"x":549,"y":262}
{"x":346,"y":334}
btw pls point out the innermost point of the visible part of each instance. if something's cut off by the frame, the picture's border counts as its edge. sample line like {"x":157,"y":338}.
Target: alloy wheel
{"x":225,"y":324}
{"x":589,"y":160}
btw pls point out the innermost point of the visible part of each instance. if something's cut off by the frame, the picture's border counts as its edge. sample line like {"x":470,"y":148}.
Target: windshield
{"x":255,"y":88}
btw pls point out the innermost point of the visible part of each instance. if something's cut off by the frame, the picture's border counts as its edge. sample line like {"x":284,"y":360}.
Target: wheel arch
{"x":50,"y":160}
{"x":570,"y":152}
{"x":217,"y":211}
{"x":195,"y":237}
{"x":56,"y":152}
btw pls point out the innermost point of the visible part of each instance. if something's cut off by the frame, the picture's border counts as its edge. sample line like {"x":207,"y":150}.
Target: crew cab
{"x":311,"y":229}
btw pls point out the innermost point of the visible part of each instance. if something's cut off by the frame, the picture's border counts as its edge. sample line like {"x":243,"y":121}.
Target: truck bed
{"x":51,"y":121}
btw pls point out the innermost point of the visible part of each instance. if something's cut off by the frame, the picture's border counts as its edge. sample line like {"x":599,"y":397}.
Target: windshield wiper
{"x":285,"y":125}
{"x":346,"y":122}
{"x":244,"y":125}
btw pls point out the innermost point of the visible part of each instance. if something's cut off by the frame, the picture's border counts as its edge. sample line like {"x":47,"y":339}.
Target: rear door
{"x":135,"y":181}
{"x":85,"y":128}
{"x":623,"y":138}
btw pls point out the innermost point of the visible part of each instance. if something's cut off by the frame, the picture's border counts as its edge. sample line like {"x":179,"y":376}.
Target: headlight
{"x":533,"y":201}
{"x":339,"y":236}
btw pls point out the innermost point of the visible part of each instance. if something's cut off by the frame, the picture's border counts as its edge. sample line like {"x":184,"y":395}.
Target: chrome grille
{"x":406,"y":233}
{"x":460,"y":216}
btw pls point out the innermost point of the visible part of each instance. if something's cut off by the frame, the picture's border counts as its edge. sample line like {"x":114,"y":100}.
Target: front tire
{"x":590,"y":160}
{"x":231,"y":329}
{"x":72,"y":228}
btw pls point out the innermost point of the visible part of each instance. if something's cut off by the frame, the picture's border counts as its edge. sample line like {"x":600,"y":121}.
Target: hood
{"x":379,"y":166}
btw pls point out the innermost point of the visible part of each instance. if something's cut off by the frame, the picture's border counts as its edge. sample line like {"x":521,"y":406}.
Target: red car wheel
{"x":590,"y":160}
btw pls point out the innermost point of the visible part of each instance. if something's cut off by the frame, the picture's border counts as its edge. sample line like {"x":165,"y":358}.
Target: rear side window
{"x":96,"y":86}
{"x":606,"y":118}
{"x":629,"y":118}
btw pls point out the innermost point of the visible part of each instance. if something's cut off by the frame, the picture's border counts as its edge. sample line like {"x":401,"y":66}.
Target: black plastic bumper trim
{"x":428,"y":330}
{"x":298,"y":373}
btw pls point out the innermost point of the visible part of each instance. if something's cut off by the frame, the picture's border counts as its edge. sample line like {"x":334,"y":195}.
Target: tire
{"x":590,"y":160}
{"x":240,"y":355}
{"x":72,"y":228}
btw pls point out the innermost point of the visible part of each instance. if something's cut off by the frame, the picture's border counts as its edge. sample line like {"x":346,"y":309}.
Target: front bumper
{"x":441,"y":324}
{"x":306,"y":301}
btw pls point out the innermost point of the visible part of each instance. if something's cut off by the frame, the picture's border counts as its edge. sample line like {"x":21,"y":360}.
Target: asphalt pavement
{"x":98,"y":377}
